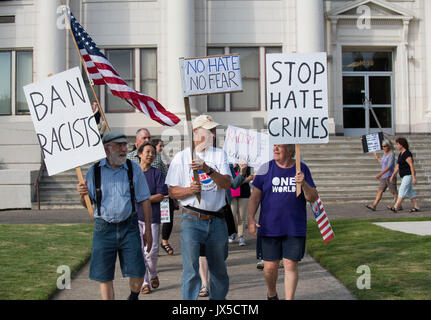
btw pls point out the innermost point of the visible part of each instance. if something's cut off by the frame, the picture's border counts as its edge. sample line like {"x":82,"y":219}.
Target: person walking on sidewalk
{"x":238,"y":198}
{"x":115,"y":186}
{"x":388,"y":166}
{"x":202,"y":222}
{"x":158,"y":189}
{"x":283,"y":217}
{"x":406,"y":168}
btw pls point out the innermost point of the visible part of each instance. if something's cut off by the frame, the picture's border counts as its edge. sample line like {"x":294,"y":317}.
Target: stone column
{"x":50,"y":51}
{"x":310,"y":26}
{"x":427,"y":15}
{"x":180,"y":31}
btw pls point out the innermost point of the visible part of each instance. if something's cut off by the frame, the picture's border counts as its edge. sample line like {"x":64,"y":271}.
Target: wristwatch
{"x":211,"y":171}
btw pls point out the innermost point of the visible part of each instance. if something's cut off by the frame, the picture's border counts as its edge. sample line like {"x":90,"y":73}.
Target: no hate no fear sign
{"x":210,"y":75}
{"x":297,"y":98}
{"x":64,"y":121}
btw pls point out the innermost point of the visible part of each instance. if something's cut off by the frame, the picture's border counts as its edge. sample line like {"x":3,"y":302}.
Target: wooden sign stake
{"x":298,"y":167}
{"x":192,"y":145}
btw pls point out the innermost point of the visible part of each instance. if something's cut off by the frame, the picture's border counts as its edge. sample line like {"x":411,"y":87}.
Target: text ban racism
{"x":297,"y":98}
{"x":67,"y":135}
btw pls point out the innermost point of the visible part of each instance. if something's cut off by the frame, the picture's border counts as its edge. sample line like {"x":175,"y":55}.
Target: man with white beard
{"x":114,"y":186}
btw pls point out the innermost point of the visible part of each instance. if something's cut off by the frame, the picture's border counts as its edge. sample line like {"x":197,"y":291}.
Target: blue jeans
{"x":212,"y":233}
{"x":406,"y":188}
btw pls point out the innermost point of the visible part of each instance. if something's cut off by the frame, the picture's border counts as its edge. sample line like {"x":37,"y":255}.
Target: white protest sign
{"x":297,"y":98}
{"x":164,"y":211}
{"x":372,"y":142}
{"x":64,"y":122}
{"x":248,"y":145}
{"x":210,"y":75}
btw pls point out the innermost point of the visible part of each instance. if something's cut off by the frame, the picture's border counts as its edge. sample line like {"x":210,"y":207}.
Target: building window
{"x":24,"y":76}
{"x":148,"y":66}
{"x":16,"y":65}
{"x":251,"y":58}
{"x":5,"y":83}
{"x":122,"y":60}
{"x":248,"y":100}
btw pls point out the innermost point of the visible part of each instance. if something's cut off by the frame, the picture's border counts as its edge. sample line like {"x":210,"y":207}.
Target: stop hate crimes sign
{"x":210,"y":75}
{"x":297,"y":98}
{"x":64,"y":121}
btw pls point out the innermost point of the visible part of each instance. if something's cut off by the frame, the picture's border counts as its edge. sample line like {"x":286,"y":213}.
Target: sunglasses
{"x":385,"y":146}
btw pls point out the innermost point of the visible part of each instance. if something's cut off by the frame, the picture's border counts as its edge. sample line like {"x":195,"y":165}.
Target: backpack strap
{"x":97,"y":185}
{"x":132,"y":187}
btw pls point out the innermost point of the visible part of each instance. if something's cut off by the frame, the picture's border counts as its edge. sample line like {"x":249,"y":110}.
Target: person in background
{"x":101,"y":125}
{"x":388,"y":166}
{"x":158,"y":189}
{"x":406,"y":168}
{"x":283,"y":217}
{"x":203,"y":272}
{"x":238,"y":198}
{"x":166,"y":226}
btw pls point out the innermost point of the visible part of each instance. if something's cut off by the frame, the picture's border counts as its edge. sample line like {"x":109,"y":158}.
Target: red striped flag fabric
{"x":322,"y":220}
{"x":101,"y":71}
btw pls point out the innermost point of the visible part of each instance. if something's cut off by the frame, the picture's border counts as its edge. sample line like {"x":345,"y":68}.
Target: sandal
{"x":415,"y":210}
{"x":155,"y":283}
{"x":204,"y":291}
{"x":395,"y":210}
{"x":146,"y":289}
{"x":167,"y":247}
{"x":370,"y":207}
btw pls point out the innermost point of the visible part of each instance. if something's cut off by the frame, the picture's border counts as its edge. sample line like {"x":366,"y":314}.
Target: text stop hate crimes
{"x":73,"y":133}
{"x":297,"y":97}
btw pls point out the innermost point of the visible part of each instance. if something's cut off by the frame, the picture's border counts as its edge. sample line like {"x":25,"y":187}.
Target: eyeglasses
{"x":385,"y":146}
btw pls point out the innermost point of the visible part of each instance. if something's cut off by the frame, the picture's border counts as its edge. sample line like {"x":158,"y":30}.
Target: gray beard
{"x":115,"y":160}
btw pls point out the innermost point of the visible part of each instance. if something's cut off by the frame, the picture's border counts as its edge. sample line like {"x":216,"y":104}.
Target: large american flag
{"x":101,"y":71}
{"x":322,"y":220}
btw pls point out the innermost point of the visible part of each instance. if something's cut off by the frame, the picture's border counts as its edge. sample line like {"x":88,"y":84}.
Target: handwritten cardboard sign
{"x":297,"y":98}
{"x":372,"y":142}
{"x":64,"y":122}
{"x":210,"y":75}
{"x":247,"y":145}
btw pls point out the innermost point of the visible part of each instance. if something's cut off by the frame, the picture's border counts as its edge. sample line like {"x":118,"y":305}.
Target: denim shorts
{"x":287,"y":247}
{"x":110,"y":239}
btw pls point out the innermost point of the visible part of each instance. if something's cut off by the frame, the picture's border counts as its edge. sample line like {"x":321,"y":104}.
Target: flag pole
{"x":78,"y":170}
{"x":90,"y":81}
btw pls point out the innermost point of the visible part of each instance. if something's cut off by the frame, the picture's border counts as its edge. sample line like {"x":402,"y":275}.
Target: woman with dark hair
{"x":158,"y":189}
{"x":407,"y":173}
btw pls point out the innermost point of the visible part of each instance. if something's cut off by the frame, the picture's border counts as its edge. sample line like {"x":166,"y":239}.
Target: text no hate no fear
{"x":63,"y":136}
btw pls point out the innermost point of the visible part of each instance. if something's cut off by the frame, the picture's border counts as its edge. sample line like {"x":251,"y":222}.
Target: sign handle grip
{"x":87,"y":198}
{"x":298,"y":167}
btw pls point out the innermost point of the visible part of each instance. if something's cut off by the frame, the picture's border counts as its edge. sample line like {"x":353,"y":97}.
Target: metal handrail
{"x":36,"y":183}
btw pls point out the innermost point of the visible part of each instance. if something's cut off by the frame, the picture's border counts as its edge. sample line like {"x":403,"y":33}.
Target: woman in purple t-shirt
{"x":384,"y":176}
{"x":282,"y":223}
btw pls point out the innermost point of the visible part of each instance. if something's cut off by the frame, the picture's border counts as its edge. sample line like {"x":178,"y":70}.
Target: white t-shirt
{"x":180,"y":175}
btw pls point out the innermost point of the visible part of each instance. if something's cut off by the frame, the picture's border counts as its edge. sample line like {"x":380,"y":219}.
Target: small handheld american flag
{"x":322,"y":220}
{"x":101,"y":71}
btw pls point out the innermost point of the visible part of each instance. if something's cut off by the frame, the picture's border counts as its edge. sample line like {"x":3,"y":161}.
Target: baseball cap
{"x":204,"y":121}
{"x":114,"y":136}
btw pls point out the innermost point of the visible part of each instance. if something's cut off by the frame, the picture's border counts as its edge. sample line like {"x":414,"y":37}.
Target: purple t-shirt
{"x":282,"y":213}
{"x":388,"y":161}
{"x":156,"y":185}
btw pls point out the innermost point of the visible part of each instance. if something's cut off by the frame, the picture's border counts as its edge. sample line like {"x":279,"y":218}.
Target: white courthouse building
{"x":379,"y":56}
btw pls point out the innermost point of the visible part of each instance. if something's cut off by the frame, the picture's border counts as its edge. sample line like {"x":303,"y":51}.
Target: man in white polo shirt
{"x":202,"y":222}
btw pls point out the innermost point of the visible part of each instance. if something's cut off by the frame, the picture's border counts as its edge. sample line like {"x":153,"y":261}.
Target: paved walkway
{"x":246,"y":281}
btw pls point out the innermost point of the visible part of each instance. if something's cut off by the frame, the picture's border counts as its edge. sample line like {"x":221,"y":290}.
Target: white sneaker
{"x":241,"y":242}
{"x":232,"y":237}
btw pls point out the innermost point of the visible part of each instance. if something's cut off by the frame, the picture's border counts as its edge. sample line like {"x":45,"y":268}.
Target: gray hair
{"x":389,"y":143}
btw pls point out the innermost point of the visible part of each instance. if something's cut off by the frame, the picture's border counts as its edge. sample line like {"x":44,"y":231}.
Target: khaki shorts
{"x":385,"y":183}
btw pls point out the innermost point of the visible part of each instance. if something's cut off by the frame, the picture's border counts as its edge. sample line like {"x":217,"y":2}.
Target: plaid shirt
{"x":157,"y":163}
